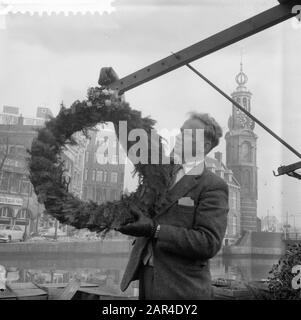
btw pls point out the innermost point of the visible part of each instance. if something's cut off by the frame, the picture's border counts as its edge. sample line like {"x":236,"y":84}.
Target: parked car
{"x":11,"y":233}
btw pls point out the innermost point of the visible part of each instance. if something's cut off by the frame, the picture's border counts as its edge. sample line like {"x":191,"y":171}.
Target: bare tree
{"x":4,"y":148}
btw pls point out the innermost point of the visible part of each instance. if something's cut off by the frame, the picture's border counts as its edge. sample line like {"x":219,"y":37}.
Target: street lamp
{"x":292,"y":215}
{"x":286,"y":227}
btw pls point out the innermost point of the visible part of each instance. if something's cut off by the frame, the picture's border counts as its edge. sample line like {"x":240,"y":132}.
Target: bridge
{"x":292,"y":236}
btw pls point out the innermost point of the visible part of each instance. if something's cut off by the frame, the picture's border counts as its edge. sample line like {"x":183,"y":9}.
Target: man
{"x":171,"y":253}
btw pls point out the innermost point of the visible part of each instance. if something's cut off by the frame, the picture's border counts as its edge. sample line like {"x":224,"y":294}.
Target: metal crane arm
{"x":247,"y":28}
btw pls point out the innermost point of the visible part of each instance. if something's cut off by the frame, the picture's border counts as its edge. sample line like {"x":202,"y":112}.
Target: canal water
{"x":107,"y":270}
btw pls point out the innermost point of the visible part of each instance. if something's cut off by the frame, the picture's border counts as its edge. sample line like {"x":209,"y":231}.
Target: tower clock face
{"x":244,"y":120}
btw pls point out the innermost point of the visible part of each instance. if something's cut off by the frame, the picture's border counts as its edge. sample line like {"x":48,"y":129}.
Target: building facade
{"x":18,"y":202}
{"x":74,"y":159}
{"x":217,"y":166}
{"x":103,"y":176}
{"x":241,"y":153}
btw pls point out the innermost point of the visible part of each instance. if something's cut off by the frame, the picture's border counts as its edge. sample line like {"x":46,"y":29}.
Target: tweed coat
{"x":191,"y":233}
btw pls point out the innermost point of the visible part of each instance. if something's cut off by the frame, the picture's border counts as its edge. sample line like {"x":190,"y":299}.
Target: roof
{"x":220,"y":166}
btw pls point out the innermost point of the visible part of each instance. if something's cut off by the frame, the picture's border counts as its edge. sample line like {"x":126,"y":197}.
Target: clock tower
{"x":241,"y":153}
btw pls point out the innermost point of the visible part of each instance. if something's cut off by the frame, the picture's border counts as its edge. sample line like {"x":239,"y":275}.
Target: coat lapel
{"x":182,"y":187}
{"x":133,"y":263}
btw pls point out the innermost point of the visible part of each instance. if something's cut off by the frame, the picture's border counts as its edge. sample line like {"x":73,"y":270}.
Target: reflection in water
{"x":107,"y":271}
{"x":242,"y":269}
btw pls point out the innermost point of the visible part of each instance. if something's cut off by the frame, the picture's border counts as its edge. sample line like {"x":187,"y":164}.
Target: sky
{"x":49,"y":59}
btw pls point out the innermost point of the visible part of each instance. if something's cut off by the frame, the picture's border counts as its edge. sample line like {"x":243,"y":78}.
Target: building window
{"x":86,"y":174}
{"x":114,"y":177}
{"x":93,"y":175}
{"x":98,"y":195}
{"x":99,"y":175}
{"x":105,"y":176}
{"x":245,"y":102}
{"x":237,"y":201}
{"x":246,"y":180}
{"x":14,"y":183}
{"x":235,"y":225}
{"x":87,"y":156}
{"x":25,"y":187}
{"x":4,"y":178}
{"x":12,"y":150}
{"x":246,"y":151}
{"x":22,"y":214}
{"x":3,"y":148}
{"x":4,"y":212}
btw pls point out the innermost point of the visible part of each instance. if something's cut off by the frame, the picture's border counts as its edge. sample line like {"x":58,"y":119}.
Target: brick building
{"x":103,"y":177}
{"x":217,"y":166}
{"x":18,"y":202}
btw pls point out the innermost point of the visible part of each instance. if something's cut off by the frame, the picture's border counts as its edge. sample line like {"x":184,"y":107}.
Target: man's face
{"x":190,"y":142}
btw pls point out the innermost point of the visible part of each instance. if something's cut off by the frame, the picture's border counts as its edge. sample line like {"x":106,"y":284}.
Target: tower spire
{"x":241,"y":78}
{"x":241,"y":56}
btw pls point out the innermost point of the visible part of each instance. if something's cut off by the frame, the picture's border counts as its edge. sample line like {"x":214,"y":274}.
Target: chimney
{"x":218,"y":156}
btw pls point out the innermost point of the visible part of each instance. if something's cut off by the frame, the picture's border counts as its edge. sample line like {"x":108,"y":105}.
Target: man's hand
{"x":107,"y":76}
{"x":143,"y":227}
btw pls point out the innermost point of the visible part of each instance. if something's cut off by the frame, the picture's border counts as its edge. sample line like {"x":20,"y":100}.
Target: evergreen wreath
{"x":281,"y":275}
{"x":47,"y":173}
{"x":280,"y":280}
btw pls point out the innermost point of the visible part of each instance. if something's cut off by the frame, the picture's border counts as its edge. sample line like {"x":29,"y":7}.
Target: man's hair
{"x":212,"y":131}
